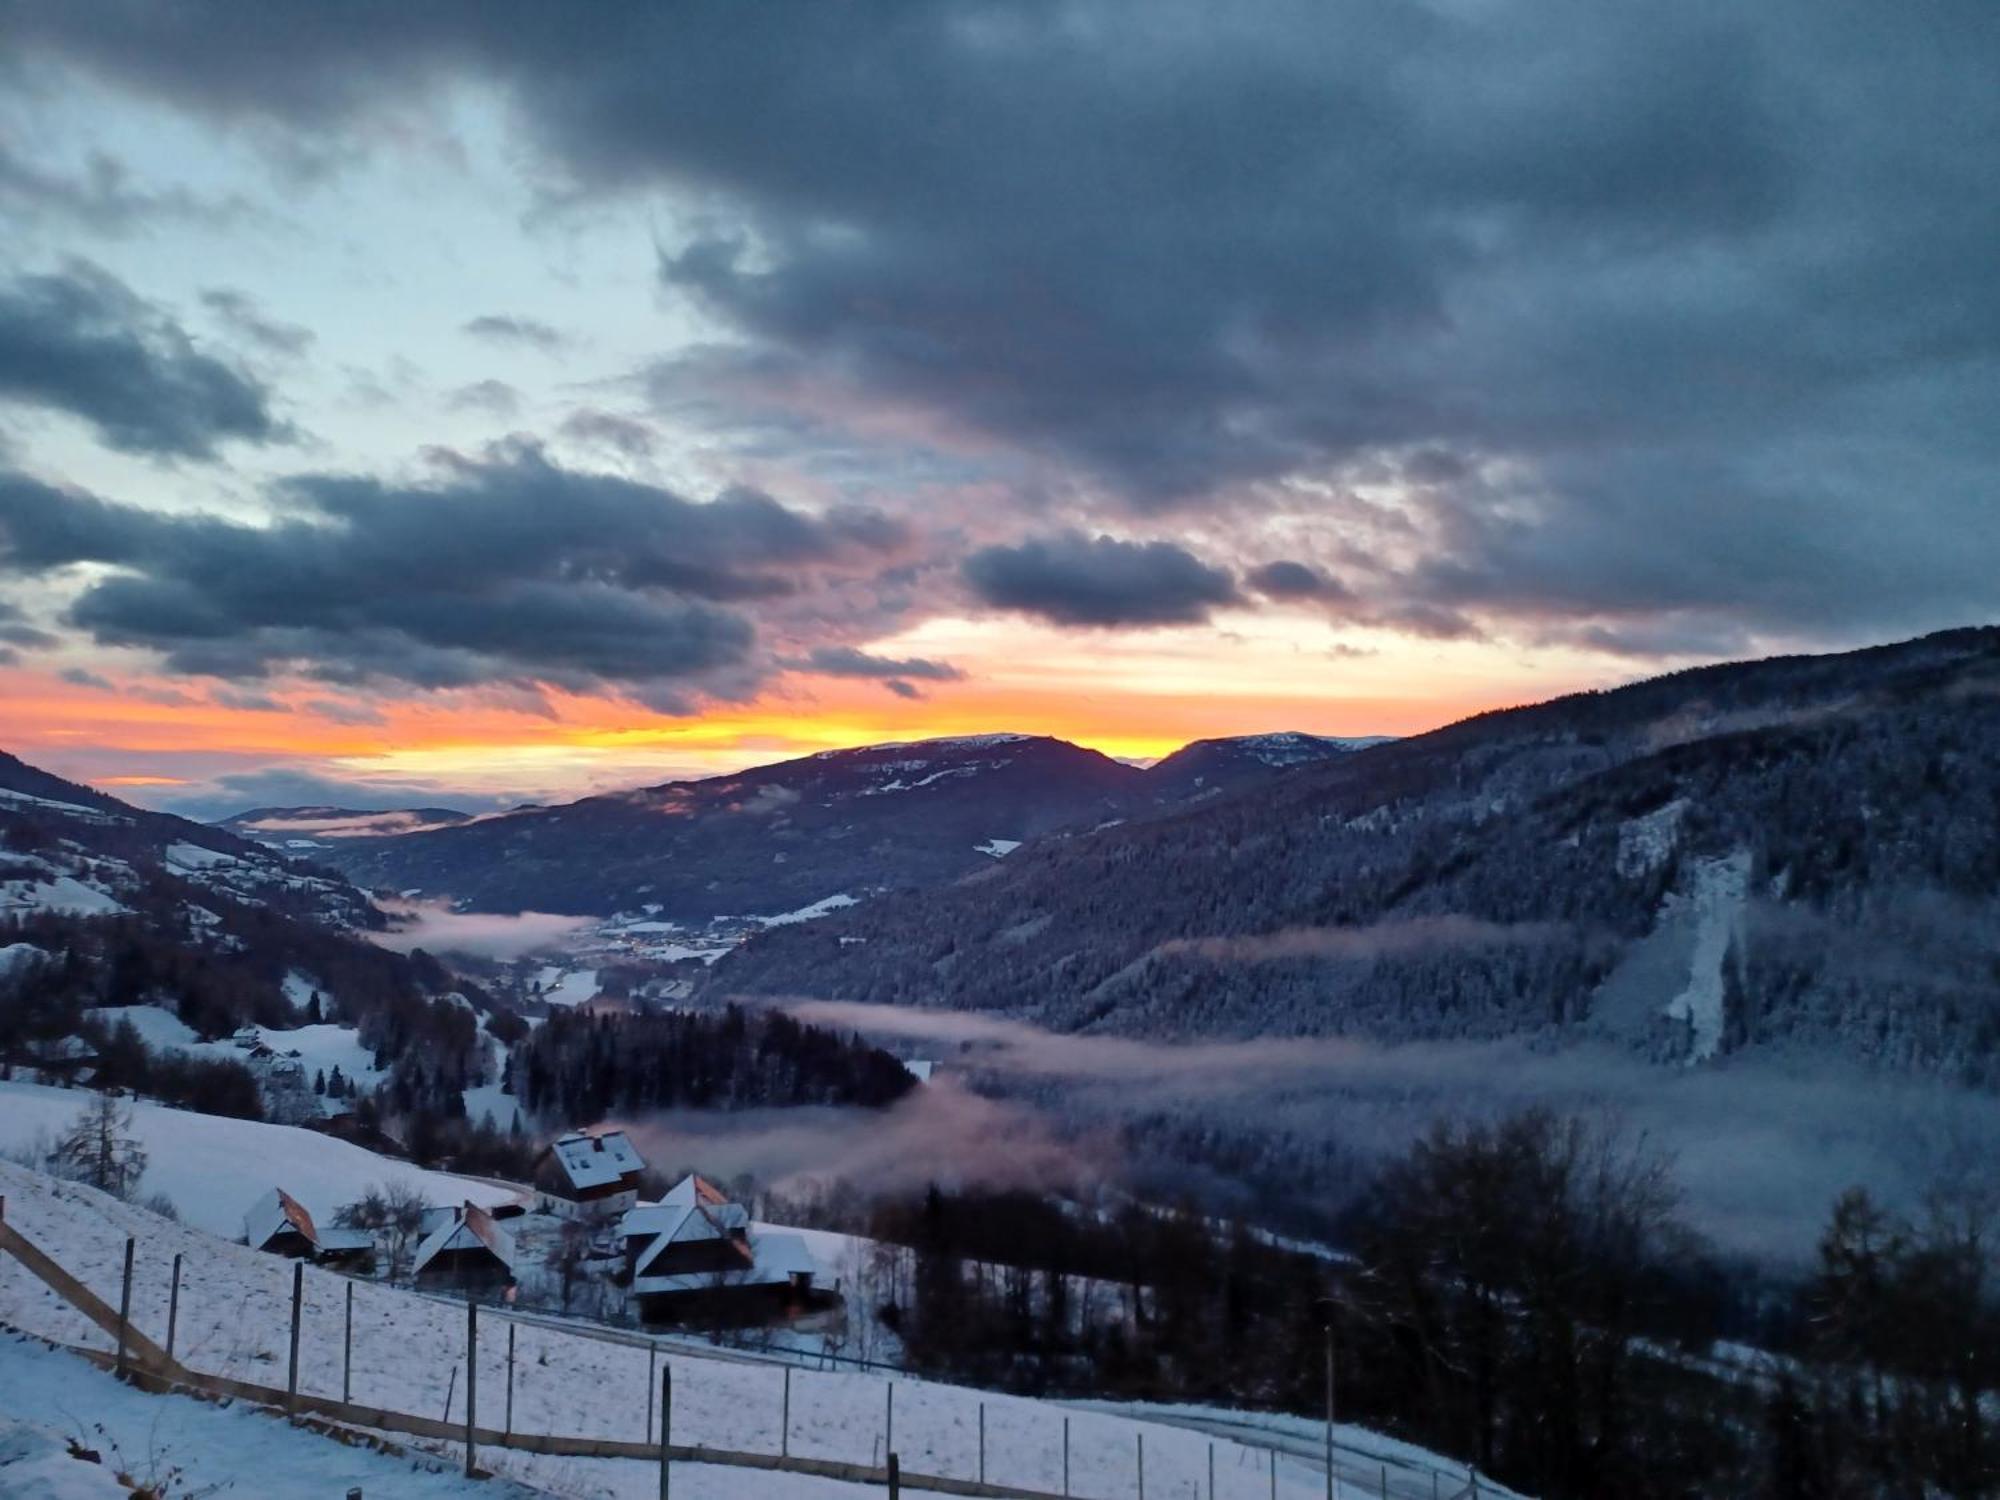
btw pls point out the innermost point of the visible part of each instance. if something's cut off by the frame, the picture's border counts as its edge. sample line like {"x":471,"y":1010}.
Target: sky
{"x":472,"y":403}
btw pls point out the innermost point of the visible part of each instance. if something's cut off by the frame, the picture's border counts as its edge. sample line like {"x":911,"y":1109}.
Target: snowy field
{"x":213,"y":1169}
{"x":408,"y":1353}
{"x":321,"y":1047}
{"x":185,"y":1446}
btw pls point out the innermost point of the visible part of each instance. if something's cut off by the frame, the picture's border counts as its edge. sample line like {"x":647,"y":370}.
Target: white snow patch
{"x":1644,"y":843}
{"x":194,"y":857}
{"x":64,"y":894}
{"x":573,"y":987}
{"x":807,"y":913}
{"x":1716,"y":902}
{"x":998,"y":848}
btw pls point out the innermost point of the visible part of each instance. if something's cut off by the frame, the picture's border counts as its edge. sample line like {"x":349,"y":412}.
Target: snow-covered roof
{"x":346,"y":1239}
{"x":471,"y":1228}
{"x":719,"y":1221}
{"x":590,"y":1161}
{"x":774,"y":1257}
{"x":274,"y":1213}
{"x":692,"y":1190}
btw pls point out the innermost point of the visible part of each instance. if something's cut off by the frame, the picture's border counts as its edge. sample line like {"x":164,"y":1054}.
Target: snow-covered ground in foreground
{"x":213,"y":1169}
{"x":408,"y":1353}
{"x":209,"y":1449}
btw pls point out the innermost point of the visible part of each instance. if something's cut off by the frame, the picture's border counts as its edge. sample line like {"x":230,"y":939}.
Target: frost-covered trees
{"x":100,"y":1149}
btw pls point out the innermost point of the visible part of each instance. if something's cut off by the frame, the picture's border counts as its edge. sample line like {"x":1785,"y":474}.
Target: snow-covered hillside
{"x":213,"y":1168}
{"x":408,"y":1355}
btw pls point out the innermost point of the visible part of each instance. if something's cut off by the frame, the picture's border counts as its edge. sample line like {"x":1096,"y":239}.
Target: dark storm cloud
{"x":846,"y":661}
{"x":1072,"y":579}
{"x":509,"y":570}
{"x":893,"y":673}
{"x":1294,"y":580}
{"x":82,"y":342}
{"x":532,"y":333}
{"x":1687,"y":313}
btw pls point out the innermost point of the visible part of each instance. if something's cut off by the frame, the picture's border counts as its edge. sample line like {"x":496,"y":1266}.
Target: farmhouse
{"x":584,"y":1176}
{"x":467,"y":1250}
{"x":696,"y":1254}
{"x":280,"y":1224}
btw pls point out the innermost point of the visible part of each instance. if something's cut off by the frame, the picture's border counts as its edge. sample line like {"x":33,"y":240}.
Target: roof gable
{"x":471,"y":1228}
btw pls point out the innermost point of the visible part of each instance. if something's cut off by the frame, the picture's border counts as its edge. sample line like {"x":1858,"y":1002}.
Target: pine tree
{"x":319,"y":1082}
{"x":314,"y":1013}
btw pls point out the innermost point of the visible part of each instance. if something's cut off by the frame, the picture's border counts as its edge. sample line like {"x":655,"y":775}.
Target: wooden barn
{"x":469,"y":1250}
{"x":696,"y":1256}
{"x":279,"y":1223}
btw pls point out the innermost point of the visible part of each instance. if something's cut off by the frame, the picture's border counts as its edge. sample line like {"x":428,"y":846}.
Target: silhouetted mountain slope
{"x":1801,"y":850}
{"x":767,"y":840}
{"x":781,"y":837}
{"x":105,"y":904}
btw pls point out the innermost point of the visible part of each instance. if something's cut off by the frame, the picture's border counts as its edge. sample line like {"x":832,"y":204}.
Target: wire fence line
{"x":330,"y":1347}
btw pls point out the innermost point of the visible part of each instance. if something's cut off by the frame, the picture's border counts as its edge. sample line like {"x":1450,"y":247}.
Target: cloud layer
{"x":80,"y":341}
{"x":508,"y":569}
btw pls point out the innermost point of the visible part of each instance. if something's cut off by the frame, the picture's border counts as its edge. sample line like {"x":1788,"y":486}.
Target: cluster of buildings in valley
{"x":693,"y":1255}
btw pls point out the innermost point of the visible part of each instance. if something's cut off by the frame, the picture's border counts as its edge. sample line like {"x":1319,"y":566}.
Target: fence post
{"x":1211,"y":1471}
{"x":666,"y":1428}
{"x":982,"y":1442}
{"x":347,"y":1349}
{"x":895,"y":1478}
{"x":509,"y":1431}
{"x":1142,"y":1466}
{"x":1385,"y":1482}
{"x":125,"y":1306}
{"x":785,"y":1418}
{"x":652,"y":1378}
{"x":292,"y":1368}
{"x":1274,"y":1475}
{"x":889,"y":1429}
{"x":173,"y":1307}
{"x":471,"y":1372}
{"x":1065,"y":1458}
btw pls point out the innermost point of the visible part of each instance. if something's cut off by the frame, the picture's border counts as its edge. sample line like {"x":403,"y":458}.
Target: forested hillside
{"x":1795,"y":851}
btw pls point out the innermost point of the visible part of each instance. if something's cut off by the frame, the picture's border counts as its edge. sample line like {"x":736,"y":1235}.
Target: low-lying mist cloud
{"x":1760,"y":1147}
{"x":941,"y":1133}
{"x":436,"y":928}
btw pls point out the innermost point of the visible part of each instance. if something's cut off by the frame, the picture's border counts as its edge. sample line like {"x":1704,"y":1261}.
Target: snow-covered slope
{"x":213,"y":1168}
{"x":408,"y":1354}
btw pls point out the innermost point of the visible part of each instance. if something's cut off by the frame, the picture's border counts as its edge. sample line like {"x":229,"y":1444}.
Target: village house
{"x":467,"y":1251}
{"x":582,"y":1176}
{"x":695,"y":1254}
{"x":279,"y":1223}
